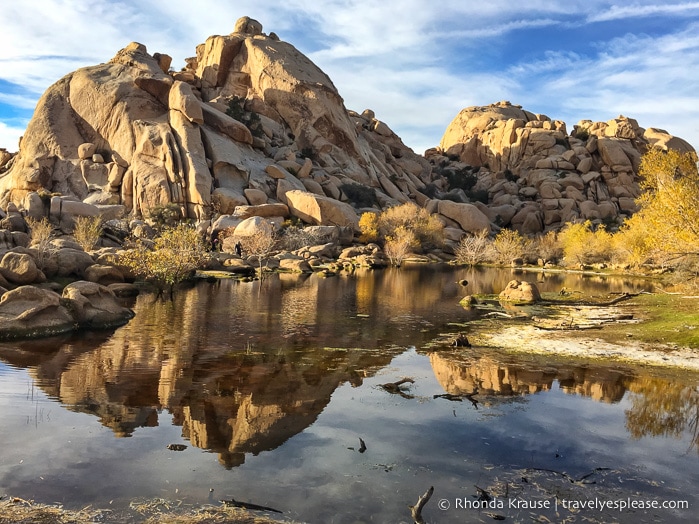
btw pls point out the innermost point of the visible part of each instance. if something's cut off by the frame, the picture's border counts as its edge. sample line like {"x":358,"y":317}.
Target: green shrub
{"x":167,"y":215}
{"x":174,"y":257}
{"x":582,"y":134}
{"x":461,"y":179}
{"x":236,"y":109}
{"x":359,"y":195}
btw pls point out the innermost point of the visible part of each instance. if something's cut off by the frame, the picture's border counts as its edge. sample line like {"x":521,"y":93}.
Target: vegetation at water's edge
{"x":665,"y":320}
{"x":663,"y":235}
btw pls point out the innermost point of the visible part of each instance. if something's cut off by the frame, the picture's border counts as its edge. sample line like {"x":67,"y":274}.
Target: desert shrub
{"x":369,"y":227}
{"x":583,"y":244}
{"x":547,"y":247}
{"x":167,"y":215}
{"x":260,"y":244}
{"x":478,"y":195}
{"x":582,"y":134}
{"x":307,"y":152}
{"x":359,"y":195}
{"x":174,"y":257}
{"x":399,"y":244}
{"x":295,"y":237}
{"x":473,"y":249}
{"x":236,"y":109}
{"x":510,"y":176}
{"x":427,"y":228}
{"x":41,"y":234}
{"x":87,"y":231}
{"x":508,"y":246}
{"x":430,"y":190}
{"x":461,"y":179}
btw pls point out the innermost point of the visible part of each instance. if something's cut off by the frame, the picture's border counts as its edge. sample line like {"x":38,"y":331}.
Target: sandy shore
{"x":550,"y":337}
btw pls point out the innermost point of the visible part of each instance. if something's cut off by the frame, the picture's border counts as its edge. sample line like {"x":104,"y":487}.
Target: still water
{"x":274,"y":387}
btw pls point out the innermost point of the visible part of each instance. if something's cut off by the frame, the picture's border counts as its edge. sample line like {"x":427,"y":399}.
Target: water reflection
{"x":491,"y":374}
{"x":241,"y":368}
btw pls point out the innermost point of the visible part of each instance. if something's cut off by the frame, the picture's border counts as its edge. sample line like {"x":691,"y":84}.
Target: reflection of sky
{"x":49,"y":453}
{"x":59,"y":455}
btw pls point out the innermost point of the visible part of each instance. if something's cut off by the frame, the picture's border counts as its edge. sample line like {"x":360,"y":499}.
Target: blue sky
{"x":414,"y":62}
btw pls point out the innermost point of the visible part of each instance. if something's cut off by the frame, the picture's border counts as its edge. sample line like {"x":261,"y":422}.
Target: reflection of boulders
{"x":460,"y":374}
{"x":190,"y":356}
{"x":487,"y":375}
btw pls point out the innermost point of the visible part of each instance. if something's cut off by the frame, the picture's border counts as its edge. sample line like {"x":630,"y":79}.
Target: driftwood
{"x":246,"y":505}
{"x":572,"y":480}
{"x":397,"y":388}
{"x":458,"y":398}
{"x":621,"y":298}
{"x":416,"y":510}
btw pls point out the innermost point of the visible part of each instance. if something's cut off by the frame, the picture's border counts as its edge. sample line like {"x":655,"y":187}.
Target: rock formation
{"x":32,"y":312}
{"x":131,"y":133}
{"x":251,"y":121}
{"x":533,"y":176}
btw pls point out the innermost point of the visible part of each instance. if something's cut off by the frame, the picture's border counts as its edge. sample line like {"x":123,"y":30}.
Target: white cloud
{"x":9,"y":136}
{"x":616,"y":12}
{"x":650,"y":79}
{"x":399,"y":58}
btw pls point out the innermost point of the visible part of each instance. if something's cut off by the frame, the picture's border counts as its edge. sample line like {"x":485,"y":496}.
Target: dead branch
{"x":395,"y":387}
{"x":458,"y":398}
{"x":249,"y":506}
{"x":565,"y":328}
{"x":416,"y":510}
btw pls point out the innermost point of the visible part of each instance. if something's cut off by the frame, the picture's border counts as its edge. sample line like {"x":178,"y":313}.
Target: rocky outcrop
{"x":32,"y":312}
{"x":251,"y":121}
{"x":529,"y":163}
{"x":249,"y":113}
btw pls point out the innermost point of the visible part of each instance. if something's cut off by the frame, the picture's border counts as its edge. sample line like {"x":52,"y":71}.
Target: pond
{"x":274,"y":387}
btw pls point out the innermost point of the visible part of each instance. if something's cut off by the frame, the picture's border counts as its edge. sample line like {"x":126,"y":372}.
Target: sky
{"x":415,"y":63}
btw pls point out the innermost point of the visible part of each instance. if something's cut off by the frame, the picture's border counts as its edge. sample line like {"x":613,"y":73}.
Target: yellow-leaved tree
{"x":666,"y":227}
{"x":402,"y":229}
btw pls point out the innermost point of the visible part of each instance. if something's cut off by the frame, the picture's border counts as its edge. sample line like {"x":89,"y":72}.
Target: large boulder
{"x":321,"y":210}
{"x":94,"y":306}
{"x":520,"y":292}
{"x":468,"y":216}
{"x":19,"y":268}
{"x":31,"y":312}
{"x":72,"y":262}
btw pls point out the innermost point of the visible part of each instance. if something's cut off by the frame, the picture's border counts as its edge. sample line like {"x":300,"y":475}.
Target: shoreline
{"x":547,"y":336}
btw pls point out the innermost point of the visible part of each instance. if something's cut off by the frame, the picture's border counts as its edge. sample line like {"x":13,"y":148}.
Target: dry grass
{"x":19,"y":511}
